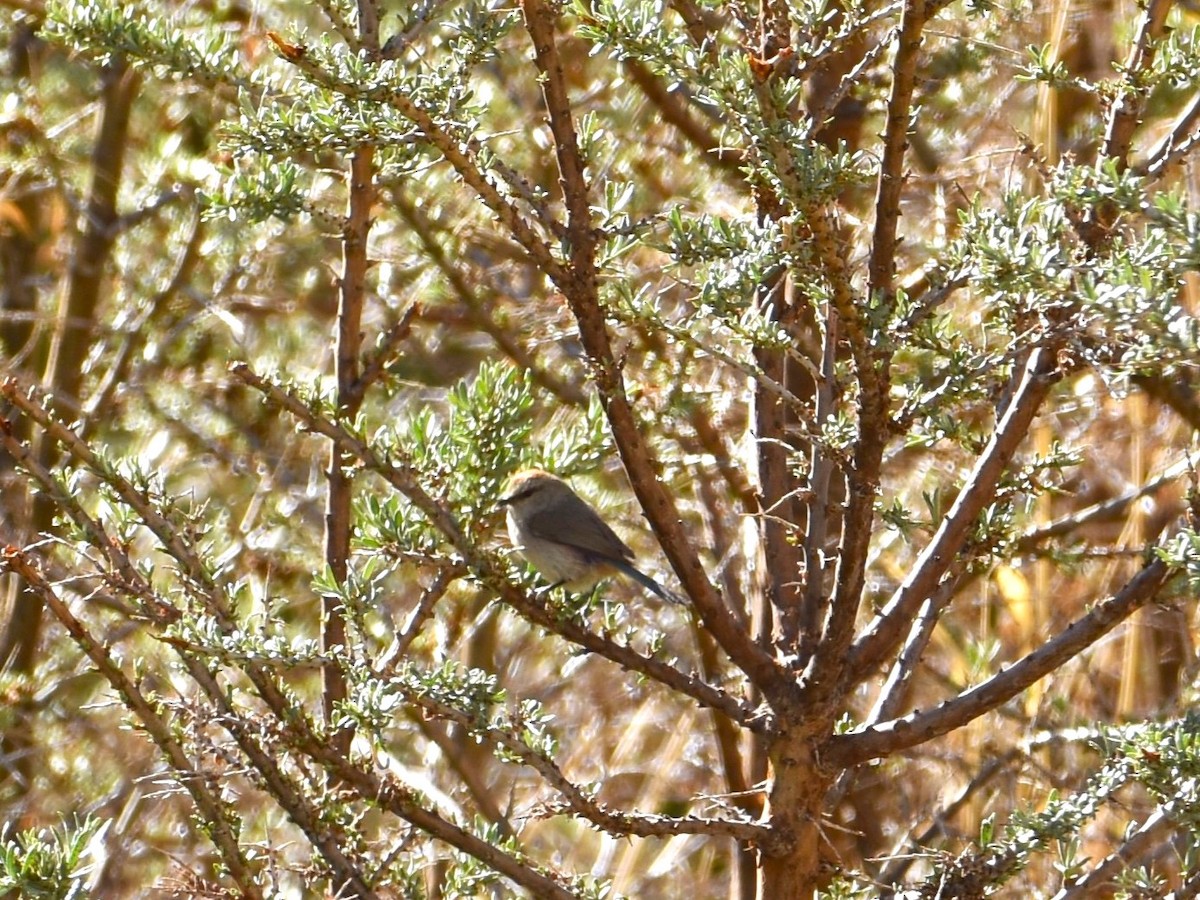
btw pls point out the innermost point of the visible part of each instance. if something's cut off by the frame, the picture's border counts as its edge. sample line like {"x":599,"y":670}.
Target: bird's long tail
{"x":649,"y":583}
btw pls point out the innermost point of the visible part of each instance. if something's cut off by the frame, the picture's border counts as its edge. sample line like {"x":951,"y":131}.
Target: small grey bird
{"x":564,"y":538}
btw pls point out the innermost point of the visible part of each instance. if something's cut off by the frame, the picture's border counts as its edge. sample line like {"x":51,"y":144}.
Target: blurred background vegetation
{"x":174,"y":198}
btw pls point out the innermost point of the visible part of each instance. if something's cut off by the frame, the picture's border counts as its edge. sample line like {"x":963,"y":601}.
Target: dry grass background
{"x":637,"y":743}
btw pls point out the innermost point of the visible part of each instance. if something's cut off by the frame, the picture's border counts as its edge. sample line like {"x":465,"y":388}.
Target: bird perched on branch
{"x":562,"y":537}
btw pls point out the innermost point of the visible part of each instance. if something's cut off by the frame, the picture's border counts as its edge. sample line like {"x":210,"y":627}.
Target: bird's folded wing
{"x":587,"y":532}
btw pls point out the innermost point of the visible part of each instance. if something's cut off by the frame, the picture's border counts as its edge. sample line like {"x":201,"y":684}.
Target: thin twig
{"x":30,"y":401}
{"x":1175,"y":146}
{"x":338,"y":22}
{"x":674,"y":109}
{"x":1124,"y":117}
{"x":385,"y":792}
{"x":127,"y":580}
{"x":894,"y":691}
{"x":1157,"y":827}
{"x":386,"y":668}
{"x":821,"y":471}
{"x":480,"y":308}
{"x":455,"y":150}
{"x":1126,"y":112}
{"x":138,"y":331}
{"x":577,"y":800}
{"x":417,"y":19}
{"x":821,"y":112}
{"x":376,"y":363}
{"x":901,"y":864}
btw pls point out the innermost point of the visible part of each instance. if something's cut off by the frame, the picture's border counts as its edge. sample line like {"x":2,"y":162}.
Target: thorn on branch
{"x":762,"y":69}
{"x":290,"y":52}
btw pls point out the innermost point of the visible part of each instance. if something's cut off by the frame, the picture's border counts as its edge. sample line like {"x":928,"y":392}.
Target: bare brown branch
{"x":872,"y":364}
{"x":1126,"y":113}
{"x":73,"y":333}
{"x":919,"y":727}
{"x":1125,"y":116}
{"x":887,"y":630}
{"x":580,"y":286}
